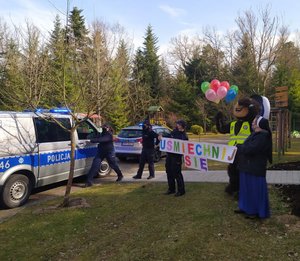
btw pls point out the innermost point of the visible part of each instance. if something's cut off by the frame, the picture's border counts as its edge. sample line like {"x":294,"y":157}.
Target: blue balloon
{"x":230,"y":96}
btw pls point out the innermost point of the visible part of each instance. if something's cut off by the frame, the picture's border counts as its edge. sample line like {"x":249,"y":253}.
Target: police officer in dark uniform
{"x":150,"y":140}
{"x":174,"y":163}
{"x":105,"y":150}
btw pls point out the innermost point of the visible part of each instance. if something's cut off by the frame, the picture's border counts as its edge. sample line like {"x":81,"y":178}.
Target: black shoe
{"x":251,"y":216}
{"x":238,"y":211}
{"x":169,"y":192}
{"x":150,"y":177}
{"x":136,"y":177}
{"x":119,"y":179}
{"x":88,"y":184}
{"x":179,"y":194}
{"x":229,"y":190}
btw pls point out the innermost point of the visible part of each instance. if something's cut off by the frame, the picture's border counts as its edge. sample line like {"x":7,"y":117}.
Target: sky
{"x":168,"y":18}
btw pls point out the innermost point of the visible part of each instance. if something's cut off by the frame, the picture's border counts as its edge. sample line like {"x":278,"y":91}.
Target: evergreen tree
{"x":165,"y":81}
{"x":244,"y":73}
{"x":139,"y":98}
{"x":151,"y":62}
{"x":204,"y":66}
{"x":56,"y":47}
{"x":77,"y":31}
{"x":119,"y":110}
{"x":138,"y":69}
{"x":146,"y":70}
{"x":287,"y":73}
{"x":183,"y":101}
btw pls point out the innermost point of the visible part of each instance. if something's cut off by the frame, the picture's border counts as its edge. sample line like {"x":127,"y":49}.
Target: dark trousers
{"x":174,"y":174}
{"x":146,"y":156}
{"x":111,"y":159}
{"x":234,"y":178}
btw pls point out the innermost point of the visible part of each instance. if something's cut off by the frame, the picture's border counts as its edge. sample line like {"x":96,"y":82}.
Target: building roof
{"x":155,"y":108}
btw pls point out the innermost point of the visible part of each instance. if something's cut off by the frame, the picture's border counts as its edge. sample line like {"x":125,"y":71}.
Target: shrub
{"x":214,"y":129}
{"x":295,"y":134}
{"x":196,"y":129}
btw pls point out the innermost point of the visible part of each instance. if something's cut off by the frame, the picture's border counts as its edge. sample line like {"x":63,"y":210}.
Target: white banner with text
{"x":197,"y":153}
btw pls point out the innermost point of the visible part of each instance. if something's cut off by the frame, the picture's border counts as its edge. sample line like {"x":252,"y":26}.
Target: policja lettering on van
{"x":58,"y":157}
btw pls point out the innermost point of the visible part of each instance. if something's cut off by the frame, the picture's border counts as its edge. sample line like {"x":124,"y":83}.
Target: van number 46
{"x":4,"y":165}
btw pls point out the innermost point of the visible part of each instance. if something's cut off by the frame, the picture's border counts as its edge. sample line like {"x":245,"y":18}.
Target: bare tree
{"x":217,"y":44}
{"x":91,"y":71}
{"x":98,"y":66}
{"x":183,"y":50}
{"x":25,"y":63}
{"x":266,"y":36}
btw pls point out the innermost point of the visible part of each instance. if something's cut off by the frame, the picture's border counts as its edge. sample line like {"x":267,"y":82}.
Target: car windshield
{"x":126,"y":133}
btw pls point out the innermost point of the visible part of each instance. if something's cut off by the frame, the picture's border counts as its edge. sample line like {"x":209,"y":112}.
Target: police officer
{"x":150,"y":140}
{"x":174,"y":163}
{"x":105,"y":150}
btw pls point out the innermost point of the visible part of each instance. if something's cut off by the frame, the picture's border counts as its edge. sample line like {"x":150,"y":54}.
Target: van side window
{"x":86,"y":131}
{"x":50,"y":131}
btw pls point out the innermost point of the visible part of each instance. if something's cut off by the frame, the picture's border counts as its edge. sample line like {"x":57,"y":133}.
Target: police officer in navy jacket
{"x":174,"y":163}
{"x":105,"y":150}
{"x":150,"y":140}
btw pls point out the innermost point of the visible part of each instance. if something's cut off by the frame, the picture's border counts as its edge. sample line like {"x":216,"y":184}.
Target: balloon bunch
{"x":216,"y":91}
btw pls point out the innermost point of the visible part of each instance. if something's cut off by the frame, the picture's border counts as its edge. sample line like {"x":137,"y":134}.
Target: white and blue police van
{"x":35,"y":151}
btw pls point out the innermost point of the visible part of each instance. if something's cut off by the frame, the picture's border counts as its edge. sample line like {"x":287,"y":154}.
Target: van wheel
{"x":16,"y":191}
{"x":105,"y":169}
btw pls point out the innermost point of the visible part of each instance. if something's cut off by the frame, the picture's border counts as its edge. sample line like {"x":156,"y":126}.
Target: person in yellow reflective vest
{"x":244,"y":111}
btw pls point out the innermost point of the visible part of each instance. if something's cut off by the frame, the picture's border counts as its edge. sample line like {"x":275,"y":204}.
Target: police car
{"x":35,"y":151}
{"x":128,"y":142}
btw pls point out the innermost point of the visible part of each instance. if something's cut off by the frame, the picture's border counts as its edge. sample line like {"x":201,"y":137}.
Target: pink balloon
{"x":221,"y":92}
{"x":211,"y":95}
{"x":215,"y":84}
{"x":225,"y":84}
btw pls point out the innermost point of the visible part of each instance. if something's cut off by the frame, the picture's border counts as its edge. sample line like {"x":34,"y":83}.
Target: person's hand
{"x":156,"y":146}
{"x":160,"y":137}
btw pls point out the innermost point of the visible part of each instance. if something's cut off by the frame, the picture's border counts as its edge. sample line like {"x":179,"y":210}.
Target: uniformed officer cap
{"x":181,"y":123}
{"x":147,"y":122}
{"x":105,"y":125}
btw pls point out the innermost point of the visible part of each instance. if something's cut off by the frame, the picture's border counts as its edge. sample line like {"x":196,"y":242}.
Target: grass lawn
{"x":134,"y":221}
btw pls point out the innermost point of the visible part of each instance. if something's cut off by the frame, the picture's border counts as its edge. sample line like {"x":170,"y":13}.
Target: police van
{"x":35,"y":151}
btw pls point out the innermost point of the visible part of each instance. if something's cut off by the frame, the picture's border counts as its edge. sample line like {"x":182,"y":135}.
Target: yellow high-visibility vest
{"x":243,"y":134}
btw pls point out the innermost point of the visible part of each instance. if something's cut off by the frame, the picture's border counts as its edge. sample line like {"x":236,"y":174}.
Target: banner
{"x":202,"y":150}
{"x":195,"y":163}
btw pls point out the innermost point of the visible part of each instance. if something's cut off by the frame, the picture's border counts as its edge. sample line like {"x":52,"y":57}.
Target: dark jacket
{"x":105,"y":140}
{"x":179,"y":135}
{"x":255,"y":152}
{"x":149,"y":137}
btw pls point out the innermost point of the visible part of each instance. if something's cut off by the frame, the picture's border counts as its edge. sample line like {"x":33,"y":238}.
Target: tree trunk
{"x":71,"y":173}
